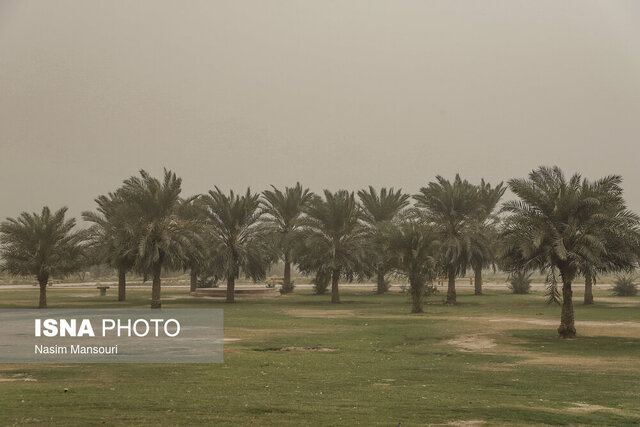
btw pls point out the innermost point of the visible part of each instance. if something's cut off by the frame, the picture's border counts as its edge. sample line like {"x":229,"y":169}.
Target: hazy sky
{"x":335,"y":94}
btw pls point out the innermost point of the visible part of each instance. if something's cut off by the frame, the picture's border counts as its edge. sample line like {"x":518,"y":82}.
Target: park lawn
{"x":493,"y":358}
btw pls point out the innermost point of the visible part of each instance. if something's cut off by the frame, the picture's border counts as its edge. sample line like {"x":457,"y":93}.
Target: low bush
{"x":625,"y":286}
{"x":520,"y":282}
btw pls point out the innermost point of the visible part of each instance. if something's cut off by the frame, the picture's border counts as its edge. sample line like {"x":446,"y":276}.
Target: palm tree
{"x":334,"y":238}
{"x":40,"y":245}
{"x":234,"y":222}
{"x":162,"y":237}
{"x":413,"y":251}
{"x":614,"y":203}
{"x":452,"y":209}
{"x":378,"y":209}
{"x":199,"y":254}
{"x":484,"y":233}
{"x":112,"y":236}
{"x":565,"y":224}
{"x":284,"y":210}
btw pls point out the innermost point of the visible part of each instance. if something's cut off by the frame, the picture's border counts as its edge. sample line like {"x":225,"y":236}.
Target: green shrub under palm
{"x":520,"y":283}
{"x":625,"y":286}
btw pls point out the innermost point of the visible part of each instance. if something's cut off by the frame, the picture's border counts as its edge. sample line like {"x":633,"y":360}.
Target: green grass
{"x":389,"y":366}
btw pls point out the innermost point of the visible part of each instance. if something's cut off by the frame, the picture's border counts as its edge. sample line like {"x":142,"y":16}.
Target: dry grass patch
{"x":586,"y":407}
{"x":472,"y":343}
{"x":466,"y":423}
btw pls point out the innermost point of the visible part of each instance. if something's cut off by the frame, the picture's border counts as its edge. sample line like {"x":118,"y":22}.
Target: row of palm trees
{"x":565,"y":227}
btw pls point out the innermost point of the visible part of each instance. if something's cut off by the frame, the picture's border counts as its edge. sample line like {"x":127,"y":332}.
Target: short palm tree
{"x":234,"y":224}
{"x":112,"y":236}
{"x":40,"y":245}
{"x":334,"y":238}
{"x":380,"y":208}
{"x":452,"y":208}
{"x":611,"y":199}
{"x":484,"y":231}
{"x":564,"y":224}
{"x":283,"y":211}
{"x":413,"y":251}
{"x":162,"y":237}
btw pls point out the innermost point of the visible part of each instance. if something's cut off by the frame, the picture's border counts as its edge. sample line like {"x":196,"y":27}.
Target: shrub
{"x":321,"y":283}
{"x":520,"y":282}
{"x":624,"y":286}
{"x":207,"y":282}
{"x":430,"y":289}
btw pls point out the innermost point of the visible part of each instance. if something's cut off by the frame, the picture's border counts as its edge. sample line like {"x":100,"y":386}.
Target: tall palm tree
{"x":40,"y":245}
{"x":380,"y":208}
{"x":484,"y":233}
{"x":112,"y":236}
{"x":565,"y":224}
{"x":413,"y":251}
{"x":283,"y":210}
{"x":199,"y":254}
{"x":334,"y":238}
{"x":162,"y":237}
{"x":234,"y":223}
{"x":452,"y":208}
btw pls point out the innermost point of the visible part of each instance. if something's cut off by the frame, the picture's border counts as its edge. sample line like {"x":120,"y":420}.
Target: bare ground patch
{"x":18,"y":377}
{"x":586,"y":407}
{"x":472,"y":343}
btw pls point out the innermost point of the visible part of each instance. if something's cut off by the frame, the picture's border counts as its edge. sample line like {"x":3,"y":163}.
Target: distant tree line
{"x":564,"y":227}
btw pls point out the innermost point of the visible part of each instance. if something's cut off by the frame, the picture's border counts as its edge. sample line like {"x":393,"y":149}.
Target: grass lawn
{"x":492,"y":359}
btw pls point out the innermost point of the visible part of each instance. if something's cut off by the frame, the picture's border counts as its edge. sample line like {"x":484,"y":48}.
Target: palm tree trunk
{"x":567,"y":328}
{"x":335,"y":296}
{"x":477,"y":273}
{"x":231,"y":289}
{"x":382,"y":284}
{"x":122,"y":284}
{"x":42,"y":281}
{"x":286,"y":285}
{"x":451,"y":288}
{"x":194,"y":280}
{"x":417,"y":292}
{"x":588,"y":289}
{"x":155,"y":286}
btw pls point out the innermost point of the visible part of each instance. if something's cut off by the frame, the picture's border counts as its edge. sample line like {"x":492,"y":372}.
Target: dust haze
{"x":333,"y":94}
